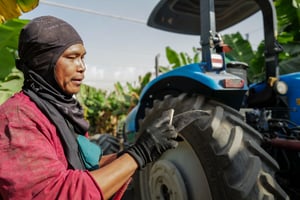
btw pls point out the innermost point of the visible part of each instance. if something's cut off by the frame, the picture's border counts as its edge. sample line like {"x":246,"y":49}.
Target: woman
{"x":43,"y":149}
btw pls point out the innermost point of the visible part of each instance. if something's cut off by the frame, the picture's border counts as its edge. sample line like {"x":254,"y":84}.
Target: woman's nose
{"x":81,"y":65}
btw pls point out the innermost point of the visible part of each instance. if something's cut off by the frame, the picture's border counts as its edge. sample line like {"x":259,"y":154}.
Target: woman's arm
{"x":113,"y":174}
{"x":106,"y":159}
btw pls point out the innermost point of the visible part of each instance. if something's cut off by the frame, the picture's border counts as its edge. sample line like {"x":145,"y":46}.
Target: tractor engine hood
{"x":183,"y":16}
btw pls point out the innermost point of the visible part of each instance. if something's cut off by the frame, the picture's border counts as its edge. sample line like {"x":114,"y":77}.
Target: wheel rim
{"x":166,"y":181}
{"x":177,"y":175}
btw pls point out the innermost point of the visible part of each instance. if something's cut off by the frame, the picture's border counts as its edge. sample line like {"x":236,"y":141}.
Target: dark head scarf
{"x":42,"y":41}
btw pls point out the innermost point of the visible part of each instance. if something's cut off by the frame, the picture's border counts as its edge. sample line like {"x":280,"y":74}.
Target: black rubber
{"x":224,"y":147}
{"x":108,"y":143}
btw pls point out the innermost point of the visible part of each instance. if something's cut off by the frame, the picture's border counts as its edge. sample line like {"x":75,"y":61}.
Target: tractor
{"x":237,"y":140}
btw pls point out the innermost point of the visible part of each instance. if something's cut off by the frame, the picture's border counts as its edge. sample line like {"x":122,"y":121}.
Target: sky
{"x":120,"y":46}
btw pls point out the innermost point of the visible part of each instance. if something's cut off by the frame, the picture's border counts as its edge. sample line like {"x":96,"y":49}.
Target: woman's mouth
{"x":77,"y":81}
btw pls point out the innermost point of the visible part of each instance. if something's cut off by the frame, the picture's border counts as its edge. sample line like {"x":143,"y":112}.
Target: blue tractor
{"x":238,"y":141}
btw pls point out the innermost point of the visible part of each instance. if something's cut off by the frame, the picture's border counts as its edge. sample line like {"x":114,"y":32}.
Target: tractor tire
{"x":108,"y":143}
{"x":220,"y":158}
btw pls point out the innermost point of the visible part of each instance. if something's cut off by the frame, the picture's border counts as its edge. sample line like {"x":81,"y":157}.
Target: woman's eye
{"x":71,"y":57}
{"x":75,"y":56}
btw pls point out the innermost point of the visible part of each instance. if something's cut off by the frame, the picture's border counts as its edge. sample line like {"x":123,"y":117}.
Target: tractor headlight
{"x":281,"y":87}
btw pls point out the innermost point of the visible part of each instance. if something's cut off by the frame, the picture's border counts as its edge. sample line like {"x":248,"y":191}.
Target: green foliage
{"x":179,"y":59}
{"x":95,"y":105}
{"x":288,"y":16}
{"x":106,"y":111}
{"x":256,"y":71}
{"x":288,"y":21}
{"x":9,"y":34}
{"x":242,"y":50}
{"x":173,"y":57}
{"x":11,"y":79}
{"x":10,"y":85}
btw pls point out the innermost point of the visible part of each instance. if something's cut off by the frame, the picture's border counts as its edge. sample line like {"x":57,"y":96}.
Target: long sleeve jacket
{"x":32,"y":160}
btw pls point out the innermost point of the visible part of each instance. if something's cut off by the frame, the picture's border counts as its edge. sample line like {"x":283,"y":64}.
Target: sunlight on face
{"x":70,"y":68}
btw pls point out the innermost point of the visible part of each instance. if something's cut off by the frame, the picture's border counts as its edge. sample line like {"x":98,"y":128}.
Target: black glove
{"x":154,"y":141}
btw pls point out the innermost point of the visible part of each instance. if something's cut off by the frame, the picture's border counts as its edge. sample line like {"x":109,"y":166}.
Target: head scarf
{"x":42,"y":41}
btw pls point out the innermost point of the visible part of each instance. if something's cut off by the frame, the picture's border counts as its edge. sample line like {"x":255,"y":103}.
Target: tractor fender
{"x":190,"y":79}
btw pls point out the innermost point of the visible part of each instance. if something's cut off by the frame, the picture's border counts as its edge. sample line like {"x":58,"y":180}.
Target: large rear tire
{"x":108,"y":143}
{"x":220,"y":158}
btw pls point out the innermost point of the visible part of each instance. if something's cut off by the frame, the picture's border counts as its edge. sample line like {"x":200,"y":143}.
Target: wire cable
{"x":85,"y":10}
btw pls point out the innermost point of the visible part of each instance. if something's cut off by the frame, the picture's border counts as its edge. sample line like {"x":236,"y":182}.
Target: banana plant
{"x":288,"y":23}
{"x":105,"y":110}
{"x":11,"y":79}
{"x":179,"y":59}
{"x":10,"y":9}
{"x":288,"y":15}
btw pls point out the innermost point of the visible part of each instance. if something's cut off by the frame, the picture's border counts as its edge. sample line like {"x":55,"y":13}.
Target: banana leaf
{"x":10,"y":9}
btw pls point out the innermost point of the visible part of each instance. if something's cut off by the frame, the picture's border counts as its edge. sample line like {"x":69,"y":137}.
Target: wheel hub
{"x":166,"y":182}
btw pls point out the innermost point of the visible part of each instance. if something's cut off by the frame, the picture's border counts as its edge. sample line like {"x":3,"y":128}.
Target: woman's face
{"x":70,"y":68}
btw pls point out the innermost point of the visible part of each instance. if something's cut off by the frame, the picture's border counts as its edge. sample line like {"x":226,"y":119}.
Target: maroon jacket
{"x":32,"y":160}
